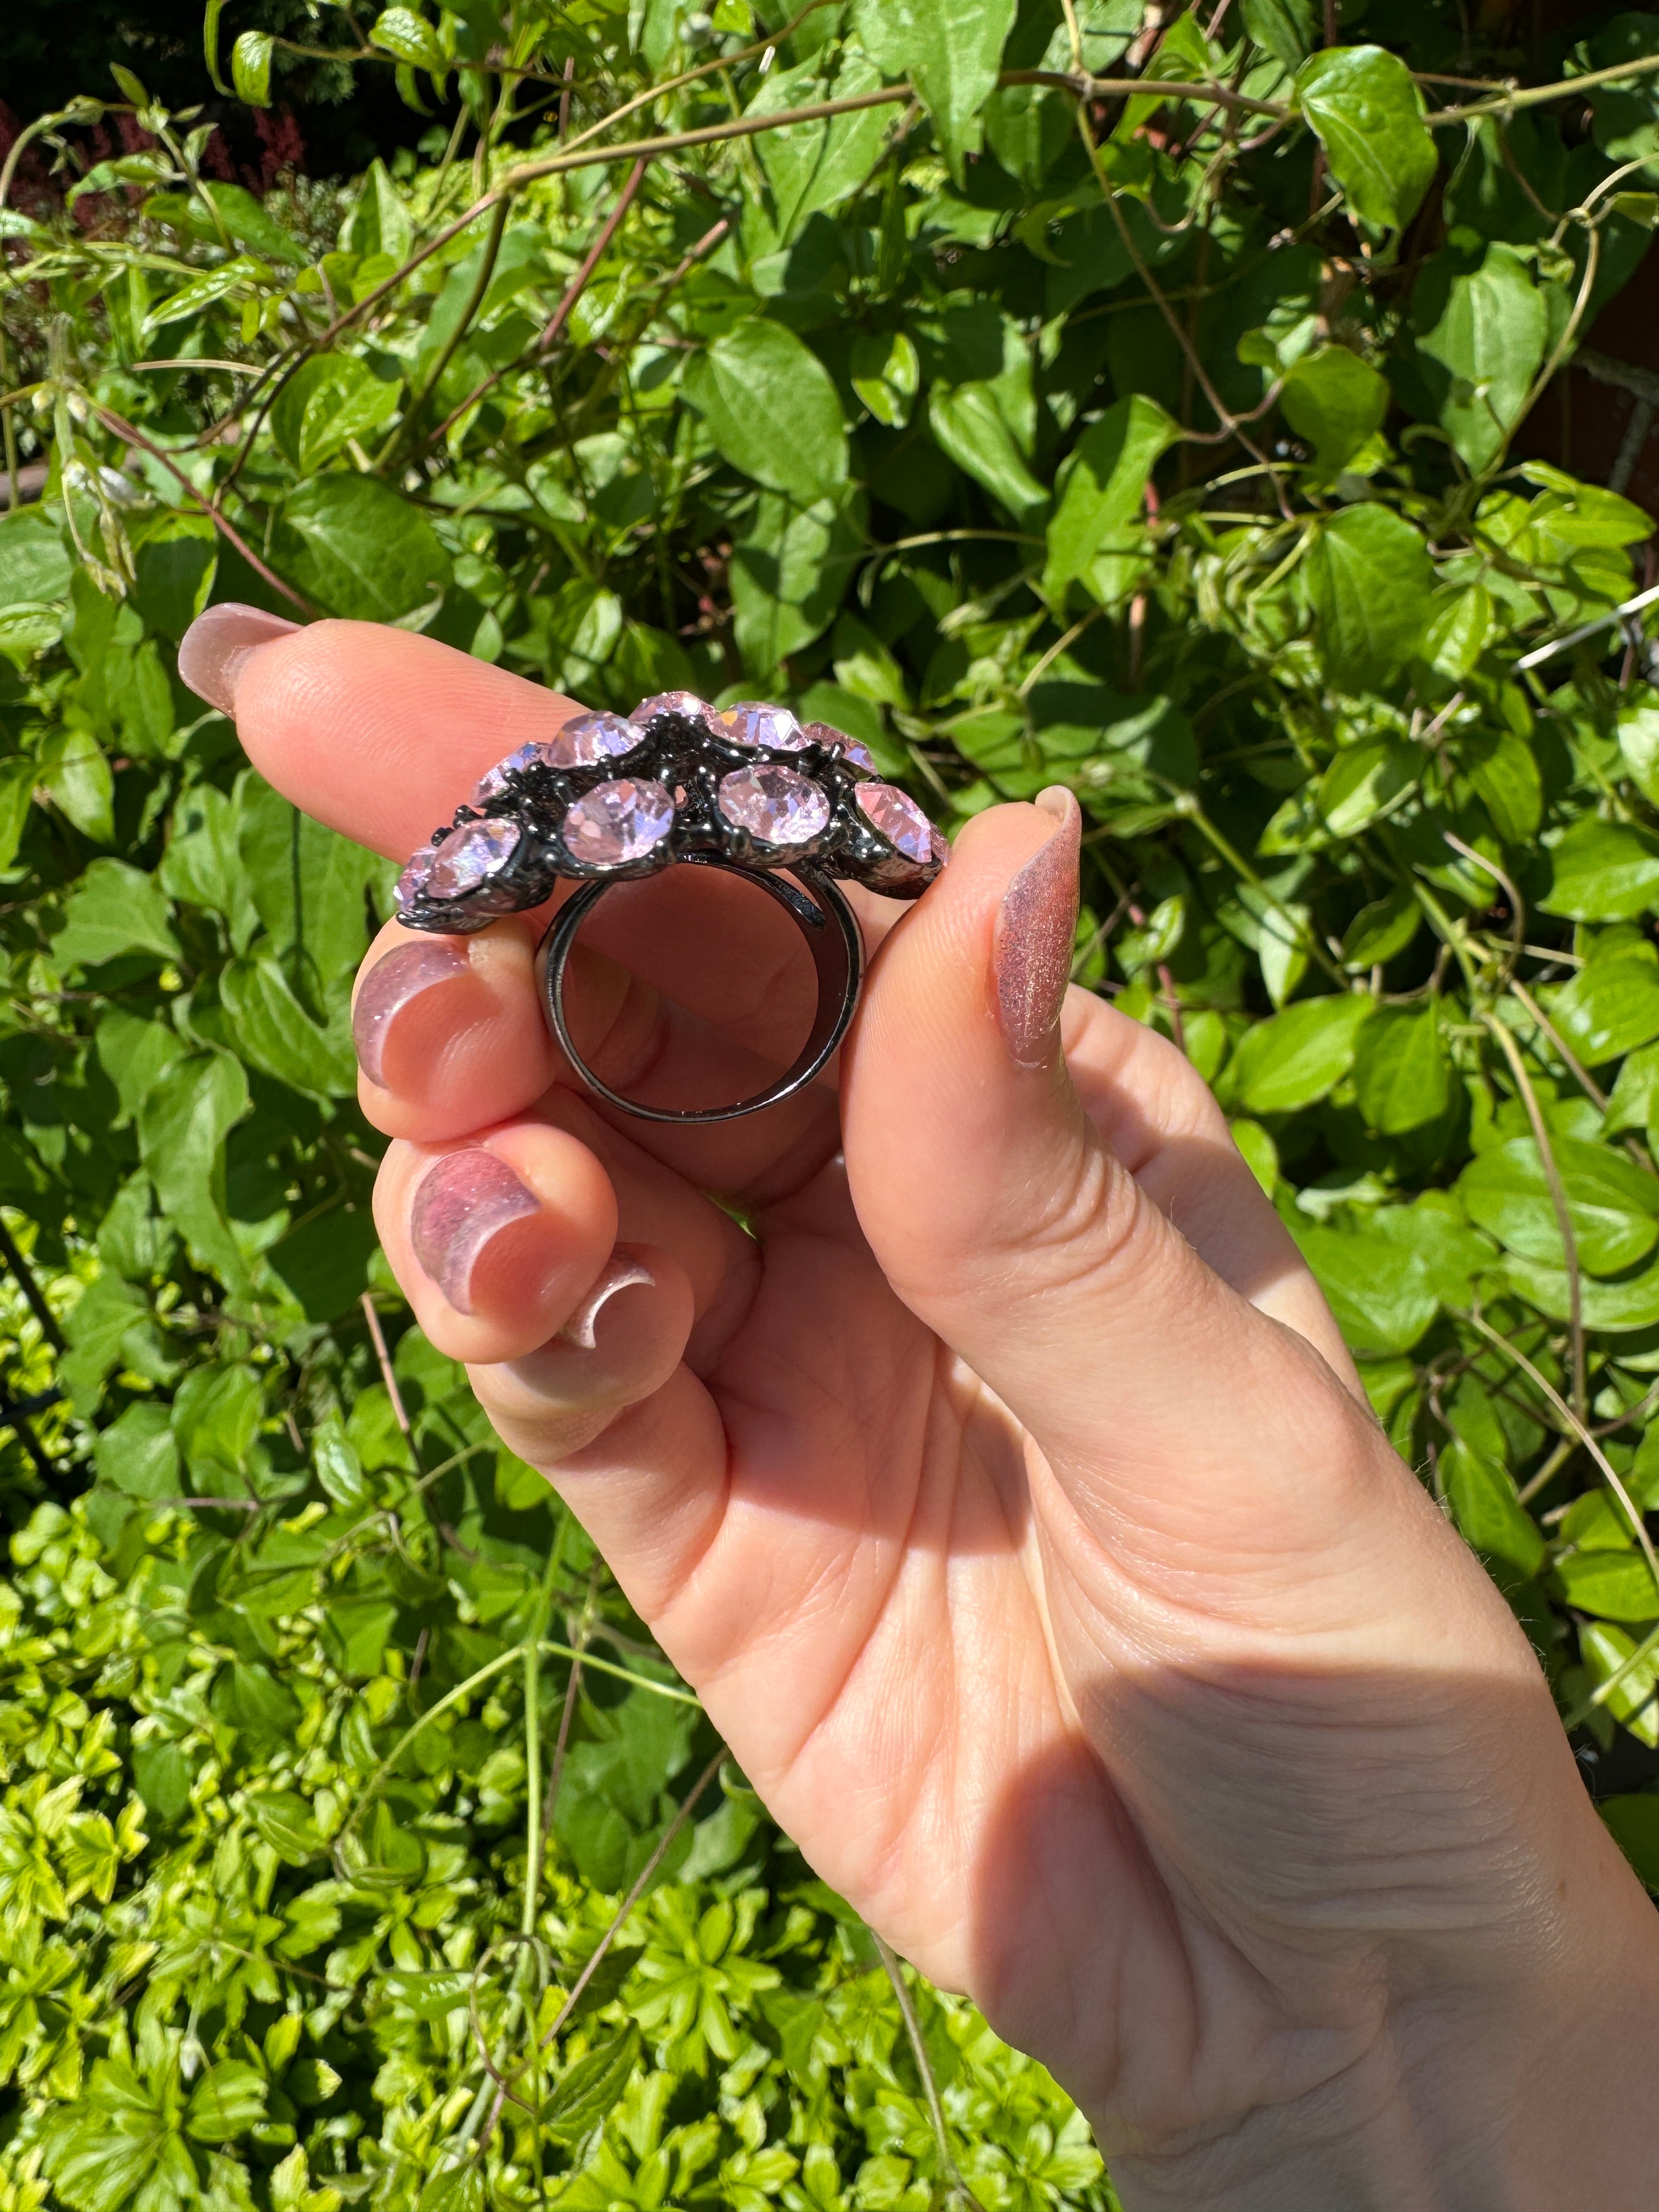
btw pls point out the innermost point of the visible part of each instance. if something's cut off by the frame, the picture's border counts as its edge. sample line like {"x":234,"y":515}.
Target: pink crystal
{"x":618,"y":822}
{"x":898,"y":817}
{"x":583,"y":741}
{"x":752,"y":722}
{"x":469,"y":856}
{"x":685,"y":705}
{"x":412,"y":882}
{"x":941,"y":848}
{"x":776,"y":804}
{"x":851,"y":749}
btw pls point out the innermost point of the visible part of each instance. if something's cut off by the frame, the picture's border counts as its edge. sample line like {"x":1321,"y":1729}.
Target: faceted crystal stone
{"x":752,"y":722}
{"x":898,"y":817}
{"x":776,"y":804}
{"x":412,"y":882}
{"x":587,"y":739}
{"x":584,"y":741}
{"x":684,"y":706}
{"x":470,"y":855}
{"x":837,"y":741}
{"x":941,"y":849}
{"x":618,"y":822}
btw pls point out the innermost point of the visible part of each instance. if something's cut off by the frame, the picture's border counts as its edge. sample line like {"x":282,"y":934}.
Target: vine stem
{"x":1608,"y":1473}
{"x":119,"y":427}
{"x":561,"y":314}
{"x":475,"y":300}
{"x":895,"y":1973}
{"x":1524,"y":1083}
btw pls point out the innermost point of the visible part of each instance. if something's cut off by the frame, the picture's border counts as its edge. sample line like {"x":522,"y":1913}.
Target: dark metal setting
{"x":745,"y":789}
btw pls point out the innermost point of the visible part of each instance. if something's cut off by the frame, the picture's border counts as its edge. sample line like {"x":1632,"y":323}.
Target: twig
{"x":11,"y":1252}
{"x":1541,"y":653}
{"x":561,"y":314}
{"x":117,"y":427}
{"x":377,"y":1337}
{"x":475,"y":300}
{"x":1609,"y":1473}
{"x":1591,"y":1089}
{"x":1511,"y":1052}
{"x":895,"y":1973}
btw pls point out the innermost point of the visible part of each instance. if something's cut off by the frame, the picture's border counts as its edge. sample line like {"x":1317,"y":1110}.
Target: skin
{"x":1010,"y":1501}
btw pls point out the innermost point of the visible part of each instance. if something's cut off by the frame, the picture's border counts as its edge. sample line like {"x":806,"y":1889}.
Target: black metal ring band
{"x":831,"y":931}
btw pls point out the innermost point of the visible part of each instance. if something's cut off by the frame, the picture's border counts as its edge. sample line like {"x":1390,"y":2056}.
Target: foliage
{"x":1037,"y":393}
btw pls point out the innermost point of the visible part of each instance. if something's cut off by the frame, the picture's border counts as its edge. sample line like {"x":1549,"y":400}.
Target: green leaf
{"x":137,"y":1454}
{"x":790,"y":572}
{"x":227,"y":2100}
{"x":1504,"y":772}
{"x":1615,"y":1585}
{"x":886,"y":375}
{"x":1102,"y":486}
{"x":1293,"y":1058}
{"x":1608,"y":1008}
{"x":1606,"y":1653}
{"x":970,"y":425}
{"x":1369,"y":579}
{"x":330,"y":399}
{"x":401,"y":31}
{"x":1383,"y":931}
{"x":1612,"y":1204}
{"x":1335,"y":401}
{"x":379,"y":222}
{"x":1287,"y":29}
{"x":1365,"y":781}
{"x":1481,"y":335}
{"x":250,"y":67}
{"x":814,"y":167}
{"x":353,"y":546}
{"x":1633,"y":1820}
{"x":274,"y":1032}
{"x":183,"y":1122}
{"x":771,"y":409}
{"x":1402,"y":1076}
{"x":34,"y":562}
{"x":1368,"y":114}
{"x":117,"y":912}
{"x":951,"y":56}
{"x":1482,"y":1495}
{"x":583,"y":2096}
{"x":287,"y":1823}
{"x":1603,"y":872}
{"x":1638,"y":741}
{"x":1381,"y":1293}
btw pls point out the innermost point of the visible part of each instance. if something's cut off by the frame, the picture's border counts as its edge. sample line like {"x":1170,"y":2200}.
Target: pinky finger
{"x":620,"y":1346}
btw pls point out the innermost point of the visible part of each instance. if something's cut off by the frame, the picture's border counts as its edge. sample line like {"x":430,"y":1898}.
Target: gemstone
{"x":412,"y":882}
{"x":941,"y":848}
{"x":752,"y":722}
{"x":776,"y":804}
{"x":898,"y":817}
{"x":837,"y":741}
{"x":582,"y":742}
{"x":683,"y":706}
{"x":470,"y":855}
{"x":618,"y":822}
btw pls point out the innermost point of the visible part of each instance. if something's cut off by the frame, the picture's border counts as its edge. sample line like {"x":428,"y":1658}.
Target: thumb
{"x":1035,"y":1228}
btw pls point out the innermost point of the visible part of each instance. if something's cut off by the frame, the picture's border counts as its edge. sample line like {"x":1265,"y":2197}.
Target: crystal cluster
{"x":559,"y":806}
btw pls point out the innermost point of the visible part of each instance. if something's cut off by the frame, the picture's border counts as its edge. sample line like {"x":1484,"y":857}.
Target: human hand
{"x":1008,"y":1496}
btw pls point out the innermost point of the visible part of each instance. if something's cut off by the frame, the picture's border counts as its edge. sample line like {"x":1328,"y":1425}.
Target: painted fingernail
{"x":622,"y":1271}
{"x":1036,"y":933}
{"x":213,"y":649}
{"x":466,"y":1200}
{"x":390,"y":985}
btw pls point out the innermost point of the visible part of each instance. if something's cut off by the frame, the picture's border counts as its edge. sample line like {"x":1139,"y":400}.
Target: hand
{"x":1008,"y":1496}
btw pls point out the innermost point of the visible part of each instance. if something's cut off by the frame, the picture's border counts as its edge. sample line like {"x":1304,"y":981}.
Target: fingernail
{"x":1035,"y":934}
{"x":214,"y":648}
{"x":389,"y":987}
{"x":623,"y":1269}
{"x":465,"y":1200}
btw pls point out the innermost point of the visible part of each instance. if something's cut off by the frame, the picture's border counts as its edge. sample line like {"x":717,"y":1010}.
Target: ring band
{"x":746,"y":789}
{"x":831,"y":931}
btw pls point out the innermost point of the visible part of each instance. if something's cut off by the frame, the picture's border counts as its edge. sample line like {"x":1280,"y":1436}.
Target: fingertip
{"x":449,"y":1032}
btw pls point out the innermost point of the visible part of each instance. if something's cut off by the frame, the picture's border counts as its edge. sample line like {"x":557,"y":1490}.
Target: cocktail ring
{"x":747,"y":789}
